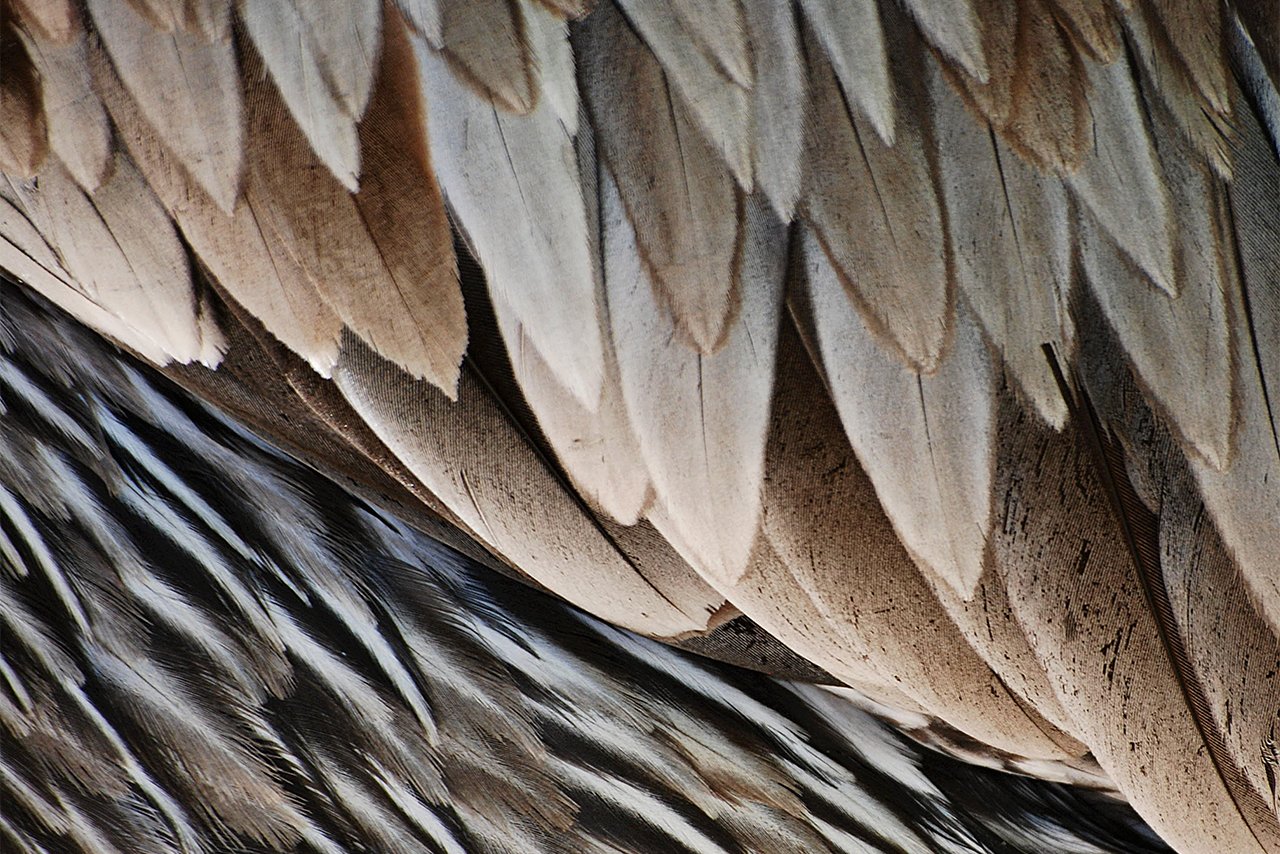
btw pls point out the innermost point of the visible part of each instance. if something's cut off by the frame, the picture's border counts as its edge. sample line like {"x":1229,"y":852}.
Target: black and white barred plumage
{"x":209,"y":647}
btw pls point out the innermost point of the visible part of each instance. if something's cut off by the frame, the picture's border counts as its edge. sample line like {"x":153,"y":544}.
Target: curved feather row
{"x":923,"y":201}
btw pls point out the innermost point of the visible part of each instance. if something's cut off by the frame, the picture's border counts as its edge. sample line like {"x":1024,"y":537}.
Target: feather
{"x":852,"y":37}
{"x":397,"y":292}
{"x":241,"y":253}
{"x":186,"y":88}
{"x":1092,"y":26}
{"x":77,"y":124}
{"x":23,"y":135}
{"x":285,"y":45}
{"x":955,"y":30}
{"x":24,"y":253}
{"x":548,"y":38}
{"x":777,"y":102}
{"x":942,"y":514}
{"x":52,"y":20}
{"x":700,"y":419}
{"x":1243,"y":499}
{"x":509,"y":498}
{"x":1194,"y":32}
{"x":824,"y":522}
{"x":1010,"y":235}
{"x":484,"y":42}
{"x":678,"y":195}
{"x":423,"y":18}
{"x":1150,"y":324}
{"x":121,"y":251}
{"x":1120,"y":180}
{"x":347,"y":40}
{"x":701,"y":47}
{"x":490,"y":163}
{"x":877,"y":214}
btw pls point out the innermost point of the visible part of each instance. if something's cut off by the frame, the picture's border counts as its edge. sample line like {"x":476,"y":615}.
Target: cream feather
{"x":853,"y":39}
{"x":491,"y":163}
{"x":186,"y":88}
{"x":778,"y":102}
{"x":700,"y":419}
{"x":927,"y":442}
{"x":347,"y":40}
{"x":956,"y":30}
{"x":548,"y":38}
{"x":485,"y":44}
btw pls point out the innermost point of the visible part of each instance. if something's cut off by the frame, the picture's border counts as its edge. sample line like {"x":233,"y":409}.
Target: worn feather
{"x":677,"y":193}
{"x":852,"y":36}
{"x":23,"y":134}
{"x":933,"y":467}
{"x":778,"y":102}
{"x":186,"y":88}
{"x":76,"y":122}
{"x":53,"y":20}
{"x":490,"y":163}
{"x":284,"y":42}
{"x":876,"y":211}
{"x":1010,"y":235}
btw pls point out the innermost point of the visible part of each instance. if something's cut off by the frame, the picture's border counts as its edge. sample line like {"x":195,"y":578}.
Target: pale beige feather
{"x":491,"y":163}
{"x":347,"y":37}
{"x":52,"y":20}
{"x":700,"y":419}
{"x":1119,"y":180}
{"x":76,"y":123}
{"x":121,"y":251}
{"x":188,"y":89}
{"x":695,"y":54}
{"x":245,"y":259}
{"x":1010,"y":235}
{"x":677,"y":192}
{"x":485,"y":472}
{"x":778,"y":102}
{"x":548,"y":37}
{"x":364,"y":255}
{"x":485,"y":44}
{"x":284,"y":43}
{"x":853,"y":39}
{"x":877,"y":213}
{"x":1150,"y":324}
{"x":925,"y":441}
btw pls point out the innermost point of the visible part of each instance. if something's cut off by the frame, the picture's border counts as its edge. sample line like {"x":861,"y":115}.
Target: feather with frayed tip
{"x":942,"y":514}
{"x":1165,"y":75}
{"x":778,"y":102}
{"x":1010,"y":234}
{"x":852,"y":36}
{"x":1150,"y":324}
{"x":719,"y":104}
{"x":77,"y":125}
{"x":241,"y":253}
{"x":955,"y":29}
{"x":678,"y":194}
{"x":23,"y":136}
{"x":393,"y":291}
{"x":510,"y":499}
{"x":121,"y":250}
{"x":284,"y":44}
{"x":1120,"y":182}
{"x":1192,"y":31}
{"x":484,"y":41}
{"x":877,"y":213}
{"x":700,"y":419}
{"x":24,"y":253}
{"x":823,"y":520}
{"x":548,"y":38}
{"x":490,"y":163}
{"x":186,"y":88}
{"x":346,"y":36}
{"x":1092,"y":26}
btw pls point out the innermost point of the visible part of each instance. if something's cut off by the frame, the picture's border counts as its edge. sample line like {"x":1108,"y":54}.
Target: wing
{"x":1011,"y":268}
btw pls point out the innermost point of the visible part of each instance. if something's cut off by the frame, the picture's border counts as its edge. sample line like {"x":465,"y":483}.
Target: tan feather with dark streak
{"x":77,"y":124}
{"x":484,"y":42}
{"x":886,"y":252}
{"x":23,"y":137}
{"x":186,"y":88}
{"x":679,"y":196}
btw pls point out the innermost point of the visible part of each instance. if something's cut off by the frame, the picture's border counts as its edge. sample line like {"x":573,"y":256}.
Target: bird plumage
{"x":1009,"y":271}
